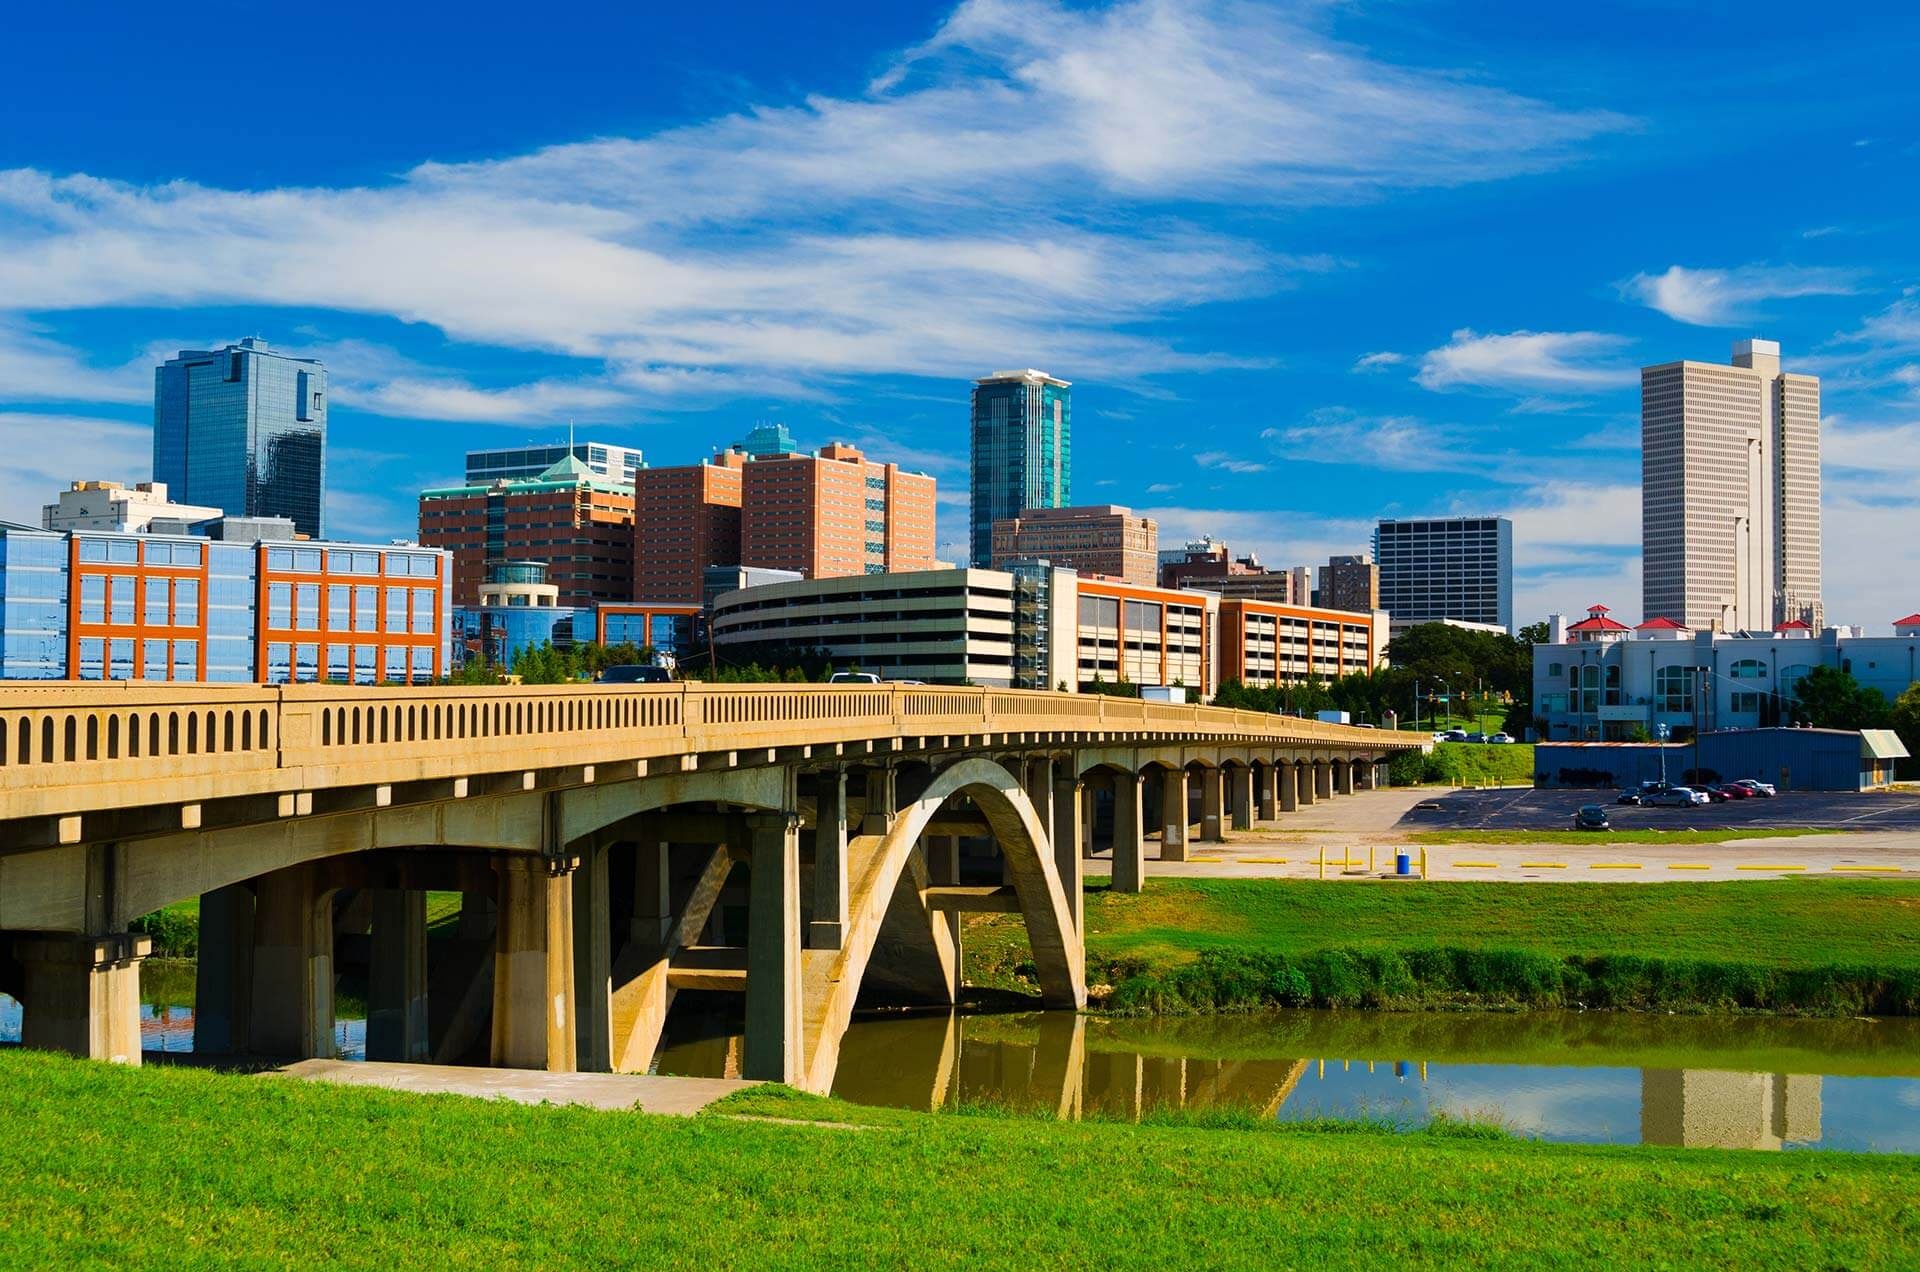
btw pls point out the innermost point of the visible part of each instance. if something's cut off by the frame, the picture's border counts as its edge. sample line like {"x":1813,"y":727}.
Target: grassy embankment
{"x":1466,"y":764}
{"x":1825,"y":947}
{"x":118,"y":1167}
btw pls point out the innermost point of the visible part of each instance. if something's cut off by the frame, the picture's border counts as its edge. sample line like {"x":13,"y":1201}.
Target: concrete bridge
{"x":809,"y":847}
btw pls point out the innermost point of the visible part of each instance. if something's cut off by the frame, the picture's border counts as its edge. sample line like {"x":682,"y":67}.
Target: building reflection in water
{"x":1705,"y":1108}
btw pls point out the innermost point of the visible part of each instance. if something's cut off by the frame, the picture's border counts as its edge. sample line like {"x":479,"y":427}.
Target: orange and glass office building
{"x":90,"y":605}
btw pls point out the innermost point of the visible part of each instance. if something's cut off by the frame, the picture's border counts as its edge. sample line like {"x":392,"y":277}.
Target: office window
{"x":423,"y":599}
{"x":120,"y":658}
{"x":396,"y":663}
{"x":279,"y":558}
{"x":366,"y":609}
{"x":339,"y":607}
{"x":422,"y":663}
{"x":186,"y":554}
{"x":279,"y":663}
{"x":364,"y":666}
{"x":307,"y":611}
{"x":93,"y":658}
{"x":396,"y":609}
{"x":279,"y":606}
{"x":186,"y":602}
{"x":1746,"y":702}
{"x":306,"y":662}
{"x":123,"y":551}
{"x":153,"y":657}
{"x":339,"y":662}
{"x":186,"y":660}
{"x":93,"y":549}
{"x":156,"y":603}
{"x":121,"y":597}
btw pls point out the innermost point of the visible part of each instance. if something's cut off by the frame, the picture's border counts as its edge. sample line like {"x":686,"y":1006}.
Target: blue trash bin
{"x":1402,"y":862}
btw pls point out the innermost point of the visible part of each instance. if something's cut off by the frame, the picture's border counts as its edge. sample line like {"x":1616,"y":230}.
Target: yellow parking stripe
{"x":1614,"y":865}
{"x":1264,"y":861}
{"x":1204,"y":860}
{"x":1769,"y":867}
{"x":1688,"y":865}
{"x":1869,"y":869}
{"x":1543,"y":865}
{"x":1476,"y":865}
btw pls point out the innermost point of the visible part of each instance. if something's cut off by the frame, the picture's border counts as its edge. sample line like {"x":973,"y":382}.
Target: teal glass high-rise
{"x":1022,"y":450}
{"x":243,"y":429}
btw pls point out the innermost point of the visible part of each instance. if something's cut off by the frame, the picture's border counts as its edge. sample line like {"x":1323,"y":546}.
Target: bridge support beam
{"x":533,"y":990}
{"x":943,"y":871}
{"x":1067,"y":849}
{"x":1322,"y":780}
{"x":1304,"y":785}
{"x":1343,"y":776}
{"x":1242,"y":800}
{"x":652,"y":893}
{"x":397,"y":977}
{"x":593,"y":955}
{"x":1287,"y":779}
{"x":223,"y":973}
{"x":292,"y":1013}
{"x":1269,"y":792}
{"x":1212,"y":796}
{"x":774,"y":1022}
{"x":1129,"y":834}
{"x":82,"y":994}
{"x":828,"y":927}
{"x":1173,"y":816}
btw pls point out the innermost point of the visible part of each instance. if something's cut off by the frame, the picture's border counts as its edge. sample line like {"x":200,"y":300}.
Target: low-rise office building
{"x":1264,"y":644}
{"x":1599,"y":680}
{"x":1102,"y":539}
{"x":575,"y":522}
{"x":109,"y":505}
{"x":93,"y":605}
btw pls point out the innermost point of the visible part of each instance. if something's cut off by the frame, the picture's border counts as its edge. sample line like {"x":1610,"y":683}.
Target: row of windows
{"x":113,"y":659}
{"x":116,"y":599}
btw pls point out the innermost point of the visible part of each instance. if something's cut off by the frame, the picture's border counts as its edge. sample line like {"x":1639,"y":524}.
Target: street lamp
{"x":1662,"y":732}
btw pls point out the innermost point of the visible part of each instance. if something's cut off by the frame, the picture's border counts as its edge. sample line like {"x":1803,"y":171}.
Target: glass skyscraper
{"x":1022,"y":450}
{"x":243,"y":429}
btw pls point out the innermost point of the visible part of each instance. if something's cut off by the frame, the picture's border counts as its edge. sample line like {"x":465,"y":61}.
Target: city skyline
{"x":1397,"y":321}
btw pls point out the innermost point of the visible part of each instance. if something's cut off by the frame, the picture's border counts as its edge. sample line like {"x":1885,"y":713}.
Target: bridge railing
{"x":252,"y":738}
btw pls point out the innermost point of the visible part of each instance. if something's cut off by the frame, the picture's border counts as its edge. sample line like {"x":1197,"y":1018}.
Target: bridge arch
{"x":831,"y":978}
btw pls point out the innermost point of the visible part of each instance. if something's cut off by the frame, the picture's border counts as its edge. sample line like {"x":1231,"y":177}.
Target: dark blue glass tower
{"x":243,"y":429}
{"x":1022,"y":450}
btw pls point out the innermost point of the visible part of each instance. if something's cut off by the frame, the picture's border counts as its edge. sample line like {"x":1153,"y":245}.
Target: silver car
{"x":1677,"y":797}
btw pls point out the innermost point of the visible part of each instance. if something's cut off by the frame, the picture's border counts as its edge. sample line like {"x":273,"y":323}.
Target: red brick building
{"x":576,"y":523}
{"x":1099,"y":539}
{"x":684,"y":520}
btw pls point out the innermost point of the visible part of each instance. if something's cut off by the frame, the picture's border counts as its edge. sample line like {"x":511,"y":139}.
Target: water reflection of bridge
{"x":1704,"y":1108}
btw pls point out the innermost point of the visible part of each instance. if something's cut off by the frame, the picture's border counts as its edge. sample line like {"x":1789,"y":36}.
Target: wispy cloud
{"x":1379,"y":361}
{"x":1031,"y":152}
{"x":1400,"y":443}
{"x":43,"y":452}
{"x":1719,"y":297}
{"x":1526,"y":360}
{"x":1227,"y":461}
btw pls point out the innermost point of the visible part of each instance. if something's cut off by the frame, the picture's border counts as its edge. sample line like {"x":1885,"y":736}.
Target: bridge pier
{"x":1269,"y":792}
{"x":1212,"y":796}
{"x":1129,"y":834}
{"x":223,"y":973}
{"x":1067,"y":825}
{"x":1343,"y":776}
{"x":1322,"y":780}
{"x":828,"y":927}
{"x":1173,"y":815}
{"x":1287,"y":778}
{"x":774,"y":1021}
{"x":292,"y":1009}
{"x":1303,"y":783}
{"x":81,"y":994}
{"x":397,"y":977}
{"x":533,"y":987}
{"x":1242,"y":801}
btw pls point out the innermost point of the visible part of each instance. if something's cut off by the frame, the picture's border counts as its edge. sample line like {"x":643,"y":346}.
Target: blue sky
{"x":1305,"y":264}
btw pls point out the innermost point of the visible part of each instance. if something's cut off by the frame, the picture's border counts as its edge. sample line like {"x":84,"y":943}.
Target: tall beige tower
{"x":1730,"y":492}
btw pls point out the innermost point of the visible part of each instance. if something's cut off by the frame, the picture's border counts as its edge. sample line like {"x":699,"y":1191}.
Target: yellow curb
{"x":1205,"y":860}
{"x":1264,"y":861}
{"x":1869,"y":869}
{"x":1688,"y":865}
{"x":1769,"y":867}
{"x":1614,"y":865}
{"x":1543,"y":865}
{"x":1476,"y":865}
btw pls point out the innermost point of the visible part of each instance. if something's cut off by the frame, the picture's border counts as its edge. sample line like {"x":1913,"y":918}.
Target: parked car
{"x":1676,"y":797}
{"x":1475,"y":736}
{"x":1765,"y":790}
{"x":635,"y":674}
{"x":1643,"y":793}
{"x":1501,"y":739}
{"x":1455,"y":735}
{"x":1714,"y":794}
{"x":1592,"y":817}
{"x":853,"y":678}
{"x":1733,"y":790}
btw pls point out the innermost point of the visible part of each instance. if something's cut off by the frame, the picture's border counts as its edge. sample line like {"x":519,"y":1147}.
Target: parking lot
{"x":1524,"y":809}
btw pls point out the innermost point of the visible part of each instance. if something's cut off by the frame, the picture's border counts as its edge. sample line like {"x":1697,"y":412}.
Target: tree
{"x":1534,"y":634}
{"x":1829,"y":698}
{"x":1905,"y":719}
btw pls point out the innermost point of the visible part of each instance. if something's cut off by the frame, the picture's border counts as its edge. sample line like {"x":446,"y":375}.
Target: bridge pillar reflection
{"x":774,"y":1023}
{"x":1242,"y":801}
{"x":1173,"y":815}
{"x":81,"y":994}
{"x":1212,"y":797}
{"x":533,"y":984}
{"x":1129,"y":834}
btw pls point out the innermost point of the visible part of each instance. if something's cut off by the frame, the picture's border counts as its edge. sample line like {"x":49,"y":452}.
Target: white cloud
{"x":1010,"y":157}
{"x":1379,"y":361}
{"x":1720,"y":297}
{"x":1895,"y":329}
{"x":1399,"y":443}
{"x":36,"y":368}
{"x":1227,"y":461}
{"x":1280,"y":539}
{"x":459,"y":401}
{"x":44,"y":452}
{"x":1526,"y":360}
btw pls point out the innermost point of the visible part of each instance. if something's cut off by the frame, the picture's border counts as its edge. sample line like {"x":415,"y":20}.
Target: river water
{"x":1592,"y":1077}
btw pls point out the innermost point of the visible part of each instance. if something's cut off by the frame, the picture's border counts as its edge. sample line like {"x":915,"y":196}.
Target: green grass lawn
{"x":1600,"y":838}
{"x":108,"y":1166}
{"x":1819,"y":945}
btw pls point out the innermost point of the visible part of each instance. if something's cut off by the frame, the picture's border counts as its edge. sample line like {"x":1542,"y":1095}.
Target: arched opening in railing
{"x":133,"y":736}
{"x":246,"y":730}
{"x":193,"y":733}
{"x":227,"y":745}
{"x":73,"y":743}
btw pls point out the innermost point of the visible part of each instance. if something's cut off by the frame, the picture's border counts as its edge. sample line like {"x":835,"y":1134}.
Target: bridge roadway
{"x":806,"y":846}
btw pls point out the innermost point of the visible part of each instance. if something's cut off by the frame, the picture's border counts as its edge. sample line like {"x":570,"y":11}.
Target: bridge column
{"x":397,"y":977}
{"x":593,"y":956}
{"x":1129,"y":835}
{"x":1322,"y":780}
{"x":1269,"y":792}
{"x":1242,"y":797}
{"x":533,"y":988}
{"x":82,"y":994}
{"x":1303,"y":782}
{"x":1343,"y":776}
{"x":774,"y":1040}
{"x":652,"y":893}
{"x":1173,"y":816}
{"x":1287,"y":778}
{"x":943,"y":870}
{"x":223,"y":973}
{"x":1067,"y":849}
{"x":828,"y":927}
{"x":292,"y":966}
{"x":1212,"y":795}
